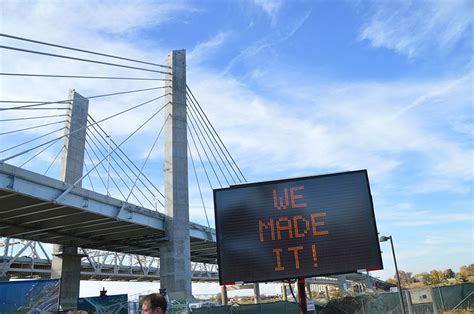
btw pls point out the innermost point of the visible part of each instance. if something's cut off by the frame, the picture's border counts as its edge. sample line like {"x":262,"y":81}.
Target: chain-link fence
{"x":434,"y":300}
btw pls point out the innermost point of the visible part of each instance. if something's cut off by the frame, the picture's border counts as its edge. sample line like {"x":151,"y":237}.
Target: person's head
{"x":154,"y":303}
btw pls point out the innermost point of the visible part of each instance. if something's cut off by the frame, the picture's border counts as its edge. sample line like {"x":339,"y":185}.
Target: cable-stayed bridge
{"x":68,"y":180}
{"x":97,"y":186}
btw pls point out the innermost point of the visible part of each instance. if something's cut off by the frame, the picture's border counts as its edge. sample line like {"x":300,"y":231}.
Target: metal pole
{"x":398,"y":277}
{"x":224,"y":299}
{"x":302,"y":296}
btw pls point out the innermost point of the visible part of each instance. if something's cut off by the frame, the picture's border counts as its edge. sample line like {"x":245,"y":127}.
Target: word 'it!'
{"x":296,"y":255}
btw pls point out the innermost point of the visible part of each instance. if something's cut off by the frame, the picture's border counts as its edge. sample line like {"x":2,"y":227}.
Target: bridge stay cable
{"x":102,"y":160}
{"x":105,"y":169}
{"x":208,"y":145}
{"x":199,"y":186}
{"x":55,"y":158}
{"x":27,"y":108}
{"x":32,"y":127}
{"x":33,"y":118}
{"x":90,"y":179}
{"x":79,"y":129}
{"x":199,"y":120}
{"x":81,"y":59}
{"x":41,"y":151}
{"x":82,"y":50}
{"x":147,"y":157}
{"x":66,"y":101}
{"x":93,"y":164}
{"x":29,"y":141}
{"x":209,"y":130}
{"x":114,"y":169}
{"x":117,"y":172}
{"x":199,"y":155}
{"x":124,"y":172}
{"x":192,"y":129}
{"x":130,"y":162}
{"x":84,"y":77}
{"x":215,"y":132}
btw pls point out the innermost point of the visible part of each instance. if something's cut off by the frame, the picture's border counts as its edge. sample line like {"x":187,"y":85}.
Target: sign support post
{"x":302,"y":296}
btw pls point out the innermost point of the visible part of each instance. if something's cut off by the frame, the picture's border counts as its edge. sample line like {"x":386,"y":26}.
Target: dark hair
{"x":155,"y":301}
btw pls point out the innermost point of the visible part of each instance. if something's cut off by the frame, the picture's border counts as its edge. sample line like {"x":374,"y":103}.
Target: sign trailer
{"x":296,"y":228}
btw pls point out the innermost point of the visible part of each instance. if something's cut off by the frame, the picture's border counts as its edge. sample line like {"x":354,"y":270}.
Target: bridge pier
{"x":256,"y":293}
{"x":66,"y":263}
{"x":175,"y":254}
{"x":342,"y":282}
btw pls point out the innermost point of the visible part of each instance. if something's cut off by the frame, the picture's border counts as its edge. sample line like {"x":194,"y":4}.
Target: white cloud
{"x":61,"y":20}
{"x":273,"y":39}
{"x":270,"y":7}
{"x":203,"y":50}
{"x":407,"y":215}
{"x":342,"y":126}
{"x":415,"y":27}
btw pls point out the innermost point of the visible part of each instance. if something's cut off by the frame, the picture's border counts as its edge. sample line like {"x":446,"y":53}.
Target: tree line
{"x":434,"y":277}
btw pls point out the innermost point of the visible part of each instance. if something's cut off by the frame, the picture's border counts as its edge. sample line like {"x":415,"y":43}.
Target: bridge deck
{"x":30,"y":209}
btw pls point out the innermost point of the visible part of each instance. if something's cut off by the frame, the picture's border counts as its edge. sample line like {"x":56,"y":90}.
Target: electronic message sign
{"x":294,"y":228}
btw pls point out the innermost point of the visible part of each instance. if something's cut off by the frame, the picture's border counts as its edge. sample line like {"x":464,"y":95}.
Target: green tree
{"x":419,"y":277}
{"x":465,"y":272}
{"x":437,"y":277}
{"x":449,"y":273}
{"x":391,"y":281}
{"x":425,"y":278}
{"x":406,"y":278}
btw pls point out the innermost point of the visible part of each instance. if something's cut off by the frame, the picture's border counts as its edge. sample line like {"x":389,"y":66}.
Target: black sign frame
{"x":372,"y":233}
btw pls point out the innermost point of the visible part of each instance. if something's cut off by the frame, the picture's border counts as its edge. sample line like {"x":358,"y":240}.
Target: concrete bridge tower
{"x":175,"y":255}
{"x":66,"y":263}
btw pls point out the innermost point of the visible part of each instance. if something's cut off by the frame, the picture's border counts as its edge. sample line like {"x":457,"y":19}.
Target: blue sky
{"x":300,"y":88}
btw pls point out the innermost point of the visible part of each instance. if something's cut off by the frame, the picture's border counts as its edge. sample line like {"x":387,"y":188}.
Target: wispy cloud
{"x":343,"y":126}
{"x":273,"y":39}
{"x":106,"y":17}
{"x":204,"y":50}
{"x":398,"y":216}
{"x":270,"y":7}
{"x":415,"y":27}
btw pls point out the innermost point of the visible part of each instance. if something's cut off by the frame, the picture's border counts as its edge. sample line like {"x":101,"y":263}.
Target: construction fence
{"x":416,"y":301}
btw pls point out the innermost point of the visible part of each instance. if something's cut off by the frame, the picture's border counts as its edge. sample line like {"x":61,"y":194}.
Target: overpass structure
{"x":36,"y":261}
{"x":31,"y":208}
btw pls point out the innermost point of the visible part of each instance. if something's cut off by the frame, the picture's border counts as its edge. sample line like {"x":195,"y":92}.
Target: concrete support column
{"x":66,"y":263}
{"x":256,"y":292}
{"x":369,"y":283}
{"x":224,"y":299}
{"x":175,"y":255}
{"x":308,"y":289}
{"x":285,"y":294}
{"x":342,"y":281}
{"x":409,"y":302}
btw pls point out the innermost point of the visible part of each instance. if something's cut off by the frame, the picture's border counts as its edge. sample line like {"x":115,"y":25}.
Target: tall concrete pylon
{"x":66,"y":264}
{"x":175,"y":254}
